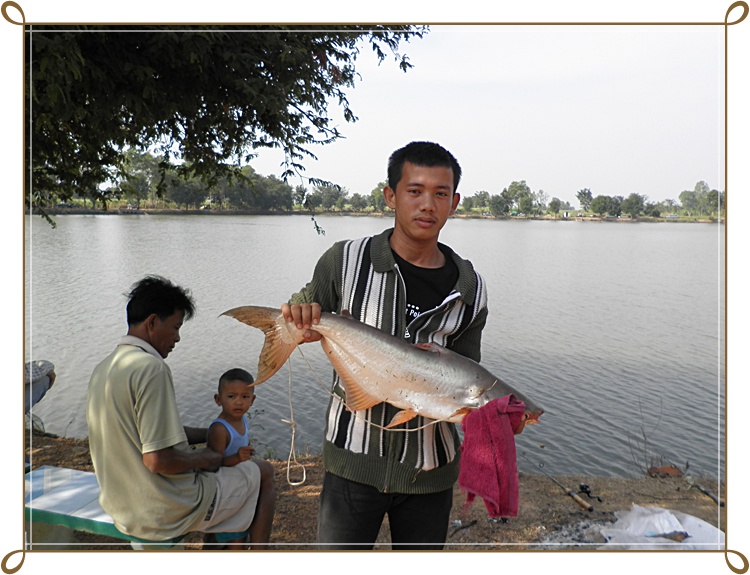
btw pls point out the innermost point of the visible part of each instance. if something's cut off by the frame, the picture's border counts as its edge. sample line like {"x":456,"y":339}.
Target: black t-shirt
{"x":426,"y":288}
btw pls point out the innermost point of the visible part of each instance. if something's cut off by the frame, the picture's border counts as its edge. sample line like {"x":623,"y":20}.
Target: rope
{"x":292,"y":453}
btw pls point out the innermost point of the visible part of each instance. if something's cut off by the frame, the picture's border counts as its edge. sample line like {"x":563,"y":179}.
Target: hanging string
{"x":292,"y":451}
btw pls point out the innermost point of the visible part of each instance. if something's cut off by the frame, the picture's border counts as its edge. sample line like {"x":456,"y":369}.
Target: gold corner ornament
{"x":745,"y":565}
{"x":11,"y":4}
{"x":740,"y":4}
{"x":4,"y":564}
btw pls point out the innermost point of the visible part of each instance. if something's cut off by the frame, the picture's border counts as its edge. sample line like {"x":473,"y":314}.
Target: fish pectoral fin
{"x":356,"y":397}
{"x":402,"y":417}
{"x":357,"y":400}
{"x":460,"y":413}
{"x":348,"y":370}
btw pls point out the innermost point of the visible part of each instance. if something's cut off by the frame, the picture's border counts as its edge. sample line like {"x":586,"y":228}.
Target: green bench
{"x":70,"y":498}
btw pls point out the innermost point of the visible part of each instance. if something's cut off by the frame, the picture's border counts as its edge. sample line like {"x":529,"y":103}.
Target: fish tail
{"x":279,"y":343}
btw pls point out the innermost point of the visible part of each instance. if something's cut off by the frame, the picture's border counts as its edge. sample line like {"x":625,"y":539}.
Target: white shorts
{"x":233,"y":508}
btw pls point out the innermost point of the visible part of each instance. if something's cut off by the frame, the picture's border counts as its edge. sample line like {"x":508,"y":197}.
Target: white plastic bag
{"x":656,"y":528}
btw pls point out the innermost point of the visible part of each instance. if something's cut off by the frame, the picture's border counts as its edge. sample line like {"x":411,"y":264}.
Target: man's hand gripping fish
{"x":424,"y":379}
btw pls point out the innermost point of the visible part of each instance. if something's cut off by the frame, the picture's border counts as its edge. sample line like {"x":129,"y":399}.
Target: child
{"x":228,"y":434}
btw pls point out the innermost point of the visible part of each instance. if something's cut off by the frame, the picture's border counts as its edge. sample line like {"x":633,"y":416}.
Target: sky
{"x":617,"y":110}
{"x":612,"y":109}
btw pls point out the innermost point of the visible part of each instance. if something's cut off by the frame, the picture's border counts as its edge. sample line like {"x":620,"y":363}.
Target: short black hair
{"x":235,"y":374}
{"x":428,"y":154}
{"x":155,"y":294}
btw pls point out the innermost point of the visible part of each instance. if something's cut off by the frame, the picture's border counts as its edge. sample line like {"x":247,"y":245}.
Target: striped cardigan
{"x":361,"y":276}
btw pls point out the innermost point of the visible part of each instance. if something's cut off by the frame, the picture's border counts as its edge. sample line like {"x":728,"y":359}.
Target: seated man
{"x":153,"y":485}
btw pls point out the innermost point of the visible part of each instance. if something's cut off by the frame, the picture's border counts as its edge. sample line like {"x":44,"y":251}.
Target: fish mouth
{"x":529,"y":418}
{"x":532,"y":417}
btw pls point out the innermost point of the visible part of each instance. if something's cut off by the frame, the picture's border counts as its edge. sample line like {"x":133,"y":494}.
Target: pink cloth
{"x":488,"y":456}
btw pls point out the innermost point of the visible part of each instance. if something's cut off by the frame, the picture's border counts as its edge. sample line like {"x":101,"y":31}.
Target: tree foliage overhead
{"x":205,"y":98}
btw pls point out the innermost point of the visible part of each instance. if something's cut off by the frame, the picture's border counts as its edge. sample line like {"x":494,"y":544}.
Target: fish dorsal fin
{"x":402,"y":417}
{"x":346,"y":313}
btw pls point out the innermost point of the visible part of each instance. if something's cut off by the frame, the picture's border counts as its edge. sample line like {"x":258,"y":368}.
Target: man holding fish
{"x":380,"y":458}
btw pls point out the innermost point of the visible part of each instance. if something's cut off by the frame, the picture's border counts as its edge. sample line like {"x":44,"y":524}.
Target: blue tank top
{"x":235,"y":439}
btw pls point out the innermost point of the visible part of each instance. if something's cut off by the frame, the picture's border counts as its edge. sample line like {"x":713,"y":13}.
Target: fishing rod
{"x":570,"y":492}
{"x":691,"y":482}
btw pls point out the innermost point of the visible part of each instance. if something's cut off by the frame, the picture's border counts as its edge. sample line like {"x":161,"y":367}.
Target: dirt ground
{"x":547,"y":517}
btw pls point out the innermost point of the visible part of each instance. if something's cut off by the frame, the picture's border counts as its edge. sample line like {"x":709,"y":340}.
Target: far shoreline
{"x":120,"y":211}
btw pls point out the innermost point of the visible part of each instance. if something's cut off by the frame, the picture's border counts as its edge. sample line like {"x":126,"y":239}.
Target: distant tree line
{"x":518,"y":198}
{"x":146,"y":185}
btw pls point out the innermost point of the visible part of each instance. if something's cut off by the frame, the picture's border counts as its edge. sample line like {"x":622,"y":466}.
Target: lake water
{"x":617,"y":329}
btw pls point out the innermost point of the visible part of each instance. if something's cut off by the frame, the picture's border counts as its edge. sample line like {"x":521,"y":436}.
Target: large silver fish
{"x":426,"y":379}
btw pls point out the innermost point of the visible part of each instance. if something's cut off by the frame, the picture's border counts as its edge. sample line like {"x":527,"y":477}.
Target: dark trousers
{"x":351,"y":515}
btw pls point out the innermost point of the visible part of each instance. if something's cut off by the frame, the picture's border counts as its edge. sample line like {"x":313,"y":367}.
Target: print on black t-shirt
{"x":426,"y":288}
